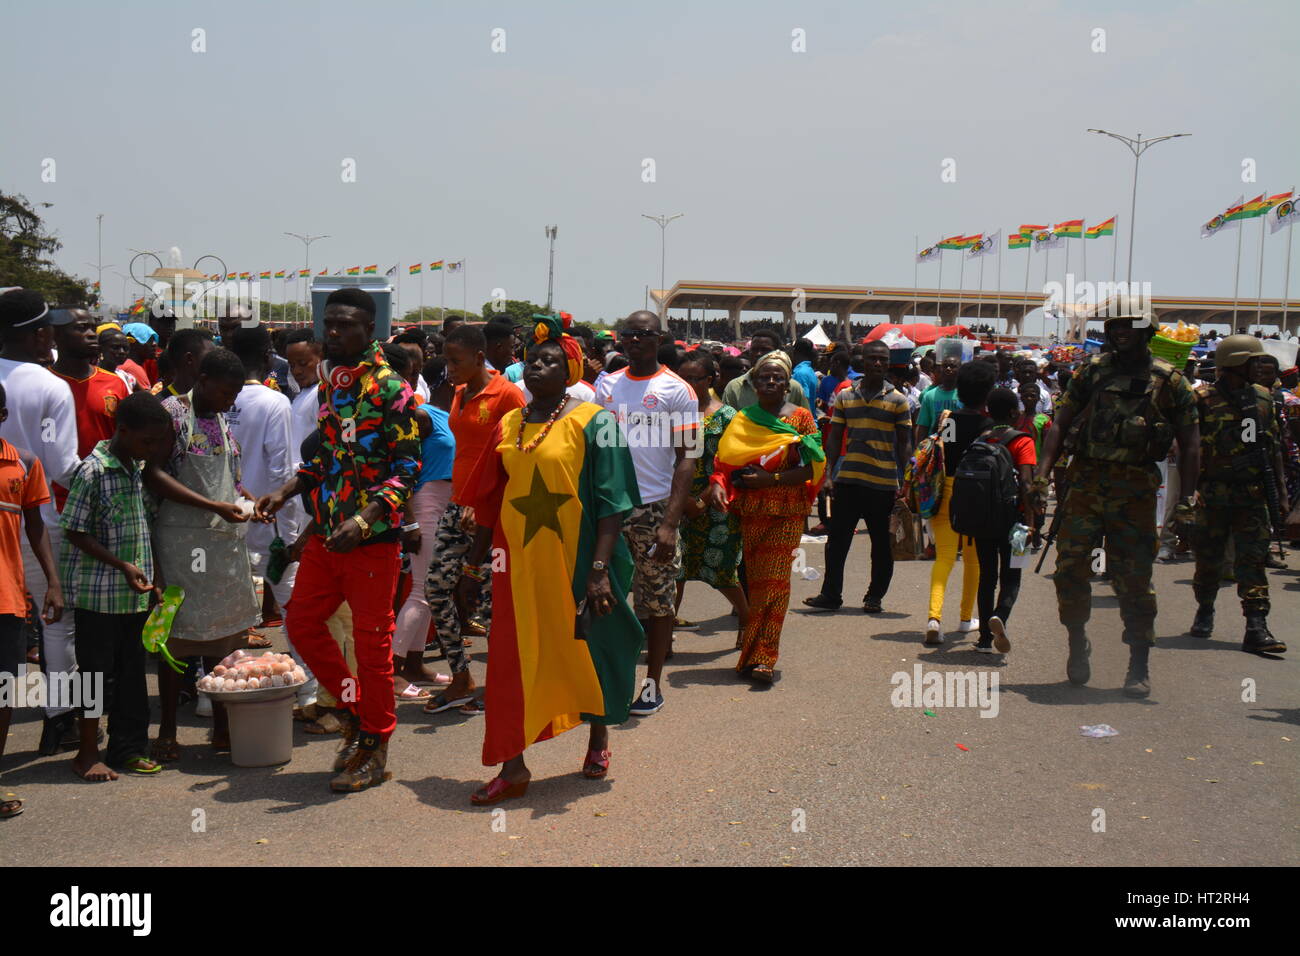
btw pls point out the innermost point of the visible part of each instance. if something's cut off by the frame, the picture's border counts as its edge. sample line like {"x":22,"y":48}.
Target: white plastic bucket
{"x":261,"y":731}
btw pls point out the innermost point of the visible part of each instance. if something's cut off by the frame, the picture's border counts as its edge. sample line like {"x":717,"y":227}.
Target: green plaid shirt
{"x":106,"y":502}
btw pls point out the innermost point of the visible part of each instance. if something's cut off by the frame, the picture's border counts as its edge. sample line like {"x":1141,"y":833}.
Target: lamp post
{"x":551,"y":233}
{"x":1137,"y":147}
{"x":306,"y":263}
{"x":662,"y":222}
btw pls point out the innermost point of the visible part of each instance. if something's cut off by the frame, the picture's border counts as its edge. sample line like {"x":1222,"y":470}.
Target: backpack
{"x":926,"y":464}
{"x":985,"y":487}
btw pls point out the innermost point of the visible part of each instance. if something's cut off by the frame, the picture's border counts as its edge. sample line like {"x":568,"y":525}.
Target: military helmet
{"x":1128,"y":306}
{"x":1237,"y":350}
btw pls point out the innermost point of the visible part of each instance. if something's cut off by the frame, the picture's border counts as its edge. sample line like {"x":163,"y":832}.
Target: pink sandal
{"x":596,"y":764}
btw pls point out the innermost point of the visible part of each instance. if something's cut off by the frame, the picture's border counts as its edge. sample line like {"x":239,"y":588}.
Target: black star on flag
{"x":540,"y":508}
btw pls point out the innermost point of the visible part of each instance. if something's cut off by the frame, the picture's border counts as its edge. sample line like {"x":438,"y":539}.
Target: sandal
{"x":142,"y":766}
{"x":165,"y":750}
{"x":473,"y":708}
{"x":596,"y":764}
{"x":10,"y":807}
{"x":259,"y":641}
{"x":443,"y":702}
{"x":499,"y":789}
{"x":681,"y":624}
{"x":763,"y":675}
{"x":411,"y":692}
{"x":326,"y":724}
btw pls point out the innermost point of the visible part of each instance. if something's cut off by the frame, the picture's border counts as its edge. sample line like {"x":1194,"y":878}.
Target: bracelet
{"x":468,"y":570}
{"x":413,"y":526}
{"x":363,"y":524}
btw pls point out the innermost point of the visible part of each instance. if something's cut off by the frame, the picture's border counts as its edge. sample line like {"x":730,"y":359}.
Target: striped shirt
{"x":106,"y":502}
{"x":870,"y":426}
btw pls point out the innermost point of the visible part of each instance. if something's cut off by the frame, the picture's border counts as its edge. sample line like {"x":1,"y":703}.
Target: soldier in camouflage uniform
{"x":1135,"y":406}
{"x":1231,"y":495}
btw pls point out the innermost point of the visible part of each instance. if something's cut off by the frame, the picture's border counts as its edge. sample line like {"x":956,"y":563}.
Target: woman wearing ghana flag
{"x":768,"y":468}
{"x":552,"y":491}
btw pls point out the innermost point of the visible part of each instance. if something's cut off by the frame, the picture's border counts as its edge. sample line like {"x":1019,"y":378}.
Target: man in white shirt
{"x":660,"y":416}
{"x":42,"y":420}
{"x":1026,"y":371}
{"x":304,"y":355}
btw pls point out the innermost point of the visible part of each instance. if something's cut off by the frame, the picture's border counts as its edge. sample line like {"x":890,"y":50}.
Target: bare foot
{"x":92,"y":769}
{"x":422,"y":672}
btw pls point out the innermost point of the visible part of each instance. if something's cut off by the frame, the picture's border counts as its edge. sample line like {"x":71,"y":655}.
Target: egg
{"x":228,"y":684}
{"x":280,"y":667}
{"x":298,"y":675}
{"x":254,"y":683}
{"x":277,"y":680}
{"x":241,"y":684}
{"x":219,"y":670}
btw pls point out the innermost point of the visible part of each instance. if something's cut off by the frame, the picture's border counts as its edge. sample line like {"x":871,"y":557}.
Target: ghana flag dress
{"x":543,"y":507}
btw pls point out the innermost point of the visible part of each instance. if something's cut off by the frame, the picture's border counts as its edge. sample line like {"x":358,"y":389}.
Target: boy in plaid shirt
{"x":107,"y":568}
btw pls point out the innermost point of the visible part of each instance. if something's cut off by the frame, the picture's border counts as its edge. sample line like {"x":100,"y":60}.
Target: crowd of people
{"x":554,"y":489}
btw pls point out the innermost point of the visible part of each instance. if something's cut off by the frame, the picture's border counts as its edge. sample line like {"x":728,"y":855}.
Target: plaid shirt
{"x":106,"y":502}
{"x":369,"y":449}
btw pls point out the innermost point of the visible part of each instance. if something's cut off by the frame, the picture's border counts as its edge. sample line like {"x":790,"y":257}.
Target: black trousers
{"x":996,"y":574}
{"x":851,"y":504}
{"x":110,"y":644}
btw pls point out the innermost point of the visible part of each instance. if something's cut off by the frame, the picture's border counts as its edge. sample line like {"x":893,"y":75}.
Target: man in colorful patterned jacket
{"x":357,"y":485}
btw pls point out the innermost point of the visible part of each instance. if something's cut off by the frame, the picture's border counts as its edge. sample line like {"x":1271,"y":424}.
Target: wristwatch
{"x":599,"y":566}
{"x":363,"y":524}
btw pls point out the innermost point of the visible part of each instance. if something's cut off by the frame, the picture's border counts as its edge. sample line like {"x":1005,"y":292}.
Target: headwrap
{"x":139,"y":332}
{"x":550,"y":328}
{"x":100,"y":330}
{"x":779,"y":357}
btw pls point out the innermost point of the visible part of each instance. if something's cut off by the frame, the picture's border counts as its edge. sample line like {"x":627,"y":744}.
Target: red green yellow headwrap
{"x":551,"y":328}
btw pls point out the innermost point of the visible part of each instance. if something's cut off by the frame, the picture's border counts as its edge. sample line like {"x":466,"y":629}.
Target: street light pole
{"x":306,"y":263}
{"x":1137,"y":147}
{"x":551,"y":233}
{"x":662,"y":222}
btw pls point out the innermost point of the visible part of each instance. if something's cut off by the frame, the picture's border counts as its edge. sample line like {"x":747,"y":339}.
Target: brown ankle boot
{"x":365,"y":768}
{"x":351,"y":737}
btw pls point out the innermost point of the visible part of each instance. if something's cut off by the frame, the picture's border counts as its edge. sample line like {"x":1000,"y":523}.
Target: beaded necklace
{"x":546,"y":428}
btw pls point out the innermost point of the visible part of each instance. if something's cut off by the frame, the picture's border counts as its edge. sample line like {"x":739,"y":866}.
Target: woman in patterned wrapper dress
{"x":768,"y":468}
{"x":710,"y":537}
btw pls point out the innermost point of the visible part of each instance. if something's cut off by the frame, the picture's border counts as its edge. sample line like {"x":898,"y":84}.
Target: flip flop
{"x":142,"y":767}
{"x":442,"y":702}
{"x":10,"y":807}
{"x":412,"y":692}
{"x":473,"y":708}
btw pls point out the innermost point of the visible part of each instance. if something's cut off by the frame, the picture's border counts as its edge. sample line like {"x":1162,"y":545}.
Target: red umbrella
{"x":922,"y":333}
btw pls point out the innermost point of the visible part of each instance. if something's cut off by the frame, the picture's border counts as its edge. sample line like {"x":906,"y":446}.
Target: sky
{"x":814,"y":167}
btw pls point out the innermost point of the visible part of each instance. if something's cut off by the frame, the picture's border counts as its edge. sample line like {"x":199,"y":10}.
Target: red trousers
{"x":365,"y":577}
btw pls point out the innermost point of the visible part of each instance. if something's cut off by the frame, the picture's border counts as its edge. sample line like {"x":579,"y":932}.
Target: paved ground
{"x":726,"y":771}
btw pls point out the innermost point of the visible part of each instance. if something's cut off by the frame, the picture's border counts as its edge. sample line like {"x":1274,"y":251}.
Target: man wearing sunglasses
{"x":659,"y":414}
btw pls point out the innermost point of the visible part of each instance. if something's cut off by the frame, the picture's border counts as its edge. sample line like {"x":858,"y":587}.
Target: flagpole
{"x":1236,"y":278}
{"x":1084,"y":232}
{"x":1067,"y":279}
{"x":1286,"y":283}
{"x":1259,"y":305}
{"x":1028,"y":249}
{"x":464,"y":288}
{"x":1047,"y":261}
{"x":979,"y":303}
{"x":1114,"y":252}
{"x":938,"y":293}
{"x":999,"y":275}
{"x":421,"y":291}
{"x":916,"y":267}
{"x":961,"y":285}
{"x":442,"y":309}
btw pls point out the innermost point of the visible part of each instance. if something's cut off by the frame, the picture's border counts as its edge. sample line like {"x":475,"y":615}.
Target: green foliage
{"x":430,"y":315}
{"x":290,"y":312}
{"x":26,"y":256}
{"x":520,"y":310}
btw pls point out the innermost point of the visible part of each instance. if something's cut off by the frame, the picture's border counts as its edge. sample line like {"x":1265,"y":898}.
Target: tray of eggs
{"x":243,"y":676}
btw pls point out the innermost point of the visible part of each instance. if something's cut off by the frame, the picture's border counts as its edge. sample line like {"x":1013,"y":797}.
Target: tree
{"x":26,"y":252}
{"x":521,"y":311}
{"x":432,"y":316}
{"x":290,"y":312}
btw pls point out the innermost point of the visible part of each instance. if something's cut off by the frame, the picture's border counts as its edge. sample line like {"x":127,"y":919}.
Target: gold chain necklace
{"x":546,"y":428}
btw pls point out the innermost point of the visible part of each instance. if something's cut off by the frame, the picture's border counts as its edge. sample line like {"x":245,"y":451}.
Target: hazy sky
{"x":814,"y":167}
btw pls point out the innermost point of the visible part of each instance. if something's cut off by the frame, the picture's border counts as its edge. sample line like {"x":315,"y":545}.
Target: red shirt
{"x":140,"y":374}
{"x":474,"y":425}
{"x":96,"y":401}
{"x":22,"y":485}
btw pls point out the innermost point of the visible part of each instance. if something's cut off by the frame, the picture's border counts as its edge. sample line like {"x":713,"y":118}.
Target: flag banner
{"x":245,"y":275}
{"x":1276,"y":200}
{"x":1284,"y":214}
{"x":929,"y":254}
{"x":455,"y":266}
{"x":1044,"y":239}
{"x":325,"y":272}
{"x":1018,"y":240}
{"x":95,"y":286}
{"x":1250,"y":209}
{"x":392,"y":271}
{"x":264,"y":275}
{"x":988,"y":245}
{"x":1106,"y":228}
{"x":435,"y":266}
{"x":304,"y":273}
{"x":231,"y":276}
{"x":953,"y":242}
{"x":1070,"y":229}
{"x":413,"y":270}
{"x":1028,"y":231}
{"x":371,"y":270}
{"x":354,"y":270}
{"x":280,"y":274}
{"x":1221,"y":222}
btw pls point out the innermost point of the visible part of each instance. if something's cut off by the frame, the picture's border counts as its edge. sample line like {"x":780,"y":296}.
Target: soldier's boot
{"x":1258,"y":639}
{"x":1203,"y":625}
{"x":1077,"y":668}
{"x":351,"y":739}
{"x":365,"y":768}
{"x":1137,"y":682}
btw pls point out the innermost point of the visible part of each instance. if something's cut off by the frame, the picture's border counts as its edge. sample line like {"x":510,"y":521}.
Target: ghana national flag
{"x":371,"y":270}
{"x":757,"y":437}
{"x":1247,"y":210}
{"x":545,"y":673}
{"x":1017,"y":240}
{"x":413,"y":270}
{"x":280,"y":274}
{"x":1028,"y":231}
{"x":953,"y":242}
{"x":1106,"y":228}
{"x":1070,"y":229}
{"x":264,"y":275}
{"x":435,"y":266}
{"x":303,"y":273}
{"x":1277,"y":199}
{"x":354,"y":270}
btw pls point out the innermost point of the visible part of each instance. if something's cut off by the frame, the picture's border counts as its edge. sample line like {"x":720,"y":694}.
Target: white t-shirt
{"x":657,"y":413}
{"x":42,"y":420}
{"x":580,"y":390}
{"x":128,"y":378}
{"x":305,"y":408}
{"x":260,"y":421}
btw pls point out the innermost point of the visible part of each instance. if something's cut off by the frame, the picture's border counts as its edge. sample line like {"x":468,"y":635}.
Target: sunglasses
{"x":640,"y":334}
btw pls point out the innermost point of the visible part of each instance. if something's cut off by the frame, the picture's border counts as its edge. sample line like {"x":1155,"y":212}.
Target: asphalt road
{"x":819,"y":769}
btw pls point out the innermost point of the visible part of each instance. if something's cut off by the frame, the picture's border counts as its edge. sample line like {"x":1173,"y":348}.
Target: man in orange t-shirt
{"x":95,"y":391}
{"x":482,"y":398}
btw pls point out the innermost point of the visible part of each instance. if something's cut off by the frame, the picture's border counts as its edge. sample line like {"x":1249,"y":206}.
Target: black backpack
{"x":985,"y":487}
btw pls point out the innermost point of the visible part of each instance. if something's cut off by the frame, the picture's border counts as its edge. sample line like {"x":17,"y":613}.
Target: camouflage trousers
{"x":1235,"y":515}
{"x":1112,"y":506}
